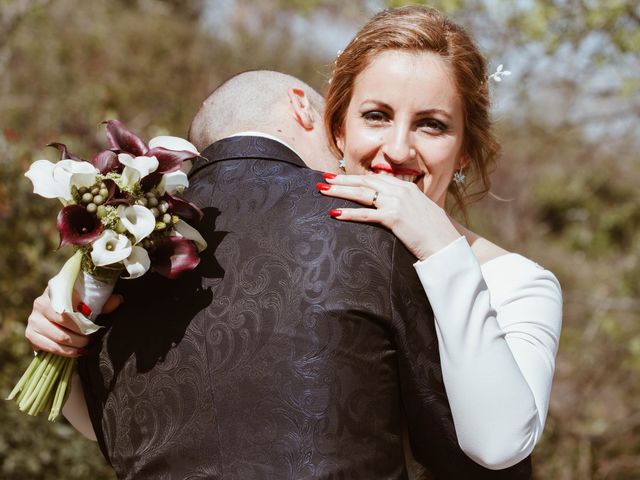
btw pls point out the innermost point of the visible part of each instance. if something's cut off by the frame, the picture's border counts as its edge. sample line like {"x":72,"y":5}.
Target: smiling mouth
{"x":406,"y":174}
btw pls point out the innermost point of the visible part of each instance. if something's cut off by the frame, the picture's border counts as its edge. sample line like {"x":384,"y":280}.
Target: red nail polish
{"x":335,"y":212}
{"x":84,"y":309}
{"x":328,"y":175}
{"x":323,"y":186}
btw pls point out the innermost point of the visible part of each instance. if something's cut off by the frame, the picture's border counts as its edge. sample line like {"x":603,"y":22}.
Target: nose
{"x":398,"y":146}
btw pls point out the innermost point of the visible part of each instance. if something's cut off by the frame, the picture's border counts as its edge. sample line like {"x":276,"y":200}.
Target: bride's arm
{"x":75,"y":409}
{"x":497,"y":338}
{"x":497,"y":344}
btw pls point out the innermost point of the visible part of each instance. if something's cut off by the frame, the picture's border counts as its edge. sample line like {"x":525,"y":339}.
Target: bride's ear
{"x":302,"y":110}
{"x":465,"y":160}
{"x":340,"y":141}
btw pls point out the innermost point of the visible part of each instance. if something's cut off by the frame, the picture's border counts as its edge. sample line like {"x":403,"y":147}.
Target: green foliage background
{"x":569,"y":175}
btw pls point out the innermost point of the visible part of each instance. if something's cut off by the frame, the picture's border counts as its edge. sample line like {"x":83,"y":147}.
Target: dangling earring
{"x":342,"y":163}
{"x":459,"y":177}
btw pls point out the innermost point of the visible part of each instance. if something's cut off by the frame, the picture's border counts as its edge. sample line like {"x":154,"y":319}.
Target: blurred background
{"x":565,"y":192}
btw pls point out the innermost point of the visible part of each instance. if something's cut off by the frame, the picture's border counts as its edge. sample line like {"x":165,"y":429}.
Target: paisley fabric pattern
{"x":292,"y":352}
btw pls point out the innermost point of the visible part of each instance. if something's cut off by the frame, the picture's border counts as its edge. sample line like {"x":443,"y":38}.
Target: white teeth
{"x":406,"y":178}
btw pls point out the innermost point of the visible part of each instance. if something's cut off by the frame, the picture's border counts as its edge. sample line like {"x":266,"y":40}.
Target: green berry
{"x":120,"y":228}
{"x":83,"y":190}
{"x":155,"y":211}
{"x":153,"y":202}
{"x":98,"y":199}
{"x":92,"y":207}
{"x":163,"y":206}
{"x":104,"y":192}
{"x":101,"y":212}
{"x":87,"y":197}
{"x":95,"y":190}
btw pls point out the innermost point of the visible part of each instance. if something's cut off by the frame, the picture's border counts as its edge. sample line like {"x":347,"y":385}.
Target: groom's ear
{"x":302,"y":110}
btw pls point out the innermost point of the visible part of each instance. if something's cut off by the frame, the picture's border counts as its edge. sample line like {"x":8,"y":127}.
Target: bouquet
{"x":122,"y":216}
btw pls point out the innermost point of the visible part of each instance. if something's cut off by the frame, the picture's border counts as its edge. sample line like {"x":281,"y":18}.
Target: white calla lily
{"x":173,"y":182}
{"x":136,"y":168}
{"x":185,"y":230}
{"x":54,"y":180}
{"x":137,"y":263}
{"x":110,"y":248}
{"x":172,"y":143}
{"x":138,"y":220}
{"x":61,"y":293}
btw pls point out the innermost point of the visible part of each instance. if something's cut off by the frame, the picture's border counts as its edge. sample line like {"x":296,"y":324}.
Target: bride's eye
{"x":432,"y":125}
{"x":374,"y":116}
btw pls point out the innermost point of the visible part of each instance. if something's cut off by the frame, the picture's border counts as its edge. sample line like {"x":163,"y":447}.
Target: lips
{"x":406,"y":174}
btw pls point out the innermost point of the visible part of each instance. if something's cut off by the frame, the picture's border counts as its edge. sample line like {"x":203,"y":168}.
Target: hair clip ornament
{"x":499,"y":73}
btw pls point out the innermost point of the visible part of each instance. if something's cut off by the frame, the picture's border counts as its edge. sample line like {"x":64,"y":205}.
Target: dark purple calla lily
{"x":123,"y":139}
{"x":183,"y":208}
{"x":174,"y":256}
{"x":150,"y":181}
{"x":65,"y":154}
{"x":170,"y":160}
{"x":116,"y":196}
{"x":77,"y":226}
{"x":106,"y":161}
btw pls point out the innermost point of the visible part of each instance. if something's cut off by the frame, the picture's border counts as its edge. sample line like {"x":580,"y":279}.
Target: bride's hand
{"x":52,"y":332}
{"x":415,"y":219}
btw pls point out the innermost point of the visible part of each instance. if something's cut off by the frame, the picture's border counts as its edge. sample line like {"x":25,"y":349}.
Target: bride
{"x":407,"y":108}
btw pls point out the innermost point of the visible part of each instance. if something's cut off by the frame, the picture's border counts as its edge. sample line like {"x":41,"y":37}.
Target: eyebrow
{"x":429,"y":111}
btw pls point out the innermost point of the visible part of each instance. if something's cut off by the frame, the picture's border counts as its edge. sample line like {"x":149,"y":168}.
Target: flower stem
{"x":32,"y":383}
{"x":47,"y":385}
{"x":62,"y":392}
{"x":41,"y":383}
{"x":44,"y":385}
{"x":25,"y":376}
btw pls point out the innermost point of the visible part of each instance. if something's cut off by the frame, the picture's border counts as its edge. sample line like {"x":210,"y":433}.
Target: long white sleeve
{"x":498,"y":329}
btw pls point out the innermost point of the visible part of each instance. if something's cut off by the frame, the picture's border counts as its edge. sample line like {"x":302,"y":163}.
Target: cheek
{"x":361,"y":146}
{"x":440,"y":163}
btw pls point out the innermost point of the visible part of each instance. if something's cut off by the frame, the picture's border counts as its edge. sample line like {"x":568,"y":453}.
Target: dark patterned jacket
{"x":294,"y":350}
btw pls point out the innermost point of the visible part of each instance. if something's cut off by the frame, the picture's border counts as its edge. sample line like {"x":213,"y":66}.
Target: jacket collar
{"x":233,"y":148}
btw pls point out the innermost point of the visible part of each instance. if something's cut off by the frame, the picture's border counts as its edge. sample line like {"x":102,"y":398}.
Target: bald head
{"x":268,"y":102}
{"x":247,"y":101}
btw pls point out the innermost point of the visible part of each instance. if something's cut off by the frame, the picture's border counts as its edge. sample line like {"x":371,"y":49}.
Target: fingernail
{"x":328,"y":175}
{"x":323,"y":186}
{"x":335,"y":213}
{"x":84,"y":309}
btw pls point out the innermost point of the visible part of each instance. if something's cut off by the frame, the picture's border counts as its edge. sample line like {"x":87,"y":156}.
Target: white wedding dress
{"x":498,"y":327}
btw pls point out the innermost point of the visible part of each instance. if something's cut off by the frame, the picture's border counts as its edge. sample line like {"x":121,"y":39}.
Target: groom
{"x":299,"y":343}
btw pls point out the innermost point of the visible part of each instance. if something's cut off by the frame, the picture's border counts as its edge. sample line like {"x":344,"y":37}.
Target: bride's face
{"x":405,"y":119}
